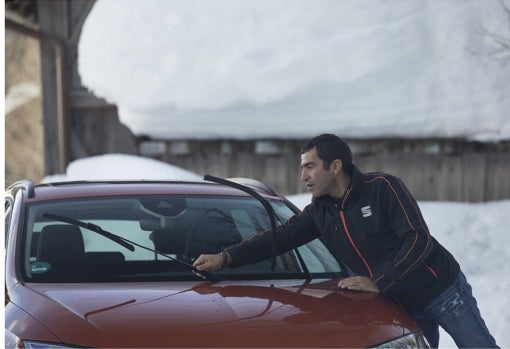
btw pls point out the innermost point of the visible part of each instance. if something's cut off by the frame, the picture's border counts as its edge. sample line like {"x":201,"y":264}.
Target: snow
{"x":121,"y":166}
{"x":475,"y":233}
{"x":296,"y":68}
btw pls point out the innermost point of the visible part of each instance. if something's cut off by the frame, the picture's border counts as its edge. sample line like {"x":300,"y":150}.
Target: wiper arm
{"x":92,"y":227}
{"x":130,"y":245}
{"x":261,"y":199}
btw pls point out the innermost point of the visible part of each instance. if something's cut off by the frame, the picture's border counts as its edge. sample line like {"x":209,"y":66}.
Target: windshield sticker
{"x":39,"y":267}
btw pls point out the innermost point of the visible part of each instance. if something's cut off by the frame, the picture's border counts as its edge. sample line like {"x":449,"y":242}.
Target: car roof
{"x":79,"y":189}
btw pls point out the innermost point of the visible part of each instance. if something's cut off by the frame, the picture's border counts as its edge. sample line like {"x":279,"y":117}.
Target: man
{"x":373,"y":225}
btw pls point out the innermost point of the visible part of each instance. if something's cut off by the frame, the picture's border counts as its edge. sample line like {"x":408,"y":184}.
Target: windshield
{"x":172,"y":228}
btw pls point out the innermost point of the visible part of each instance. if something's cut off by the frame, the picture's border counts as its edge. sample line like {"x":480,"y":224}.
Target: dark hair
{"x":329,"y":148}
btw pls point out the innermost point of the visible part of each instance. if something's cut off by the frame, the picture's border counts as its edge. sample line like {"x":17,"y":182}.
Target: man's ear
{"x":337,"y":166}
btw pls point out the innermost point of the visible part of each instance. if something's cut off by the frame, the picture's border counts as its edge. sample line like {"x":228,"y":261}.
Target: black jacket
{"x":377,"y":230}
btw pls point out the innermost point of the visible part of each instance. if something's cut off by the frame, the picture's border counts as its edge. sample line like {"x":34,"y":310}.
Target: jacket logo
{"x":366,"y":211}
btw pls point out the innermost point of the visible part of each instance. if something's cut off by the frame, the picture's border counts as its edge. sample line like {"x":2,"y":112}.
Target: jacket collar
{"x":351,"y":194}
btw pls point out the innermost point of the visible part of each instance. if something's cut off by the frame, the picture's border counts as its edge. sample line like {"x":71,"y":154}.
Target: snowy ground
{"x":476,"y":234}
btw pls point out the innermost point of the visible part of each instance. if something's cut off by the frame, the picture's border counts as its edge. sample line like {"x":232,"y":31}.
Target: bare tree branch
{"x":501,"y":43}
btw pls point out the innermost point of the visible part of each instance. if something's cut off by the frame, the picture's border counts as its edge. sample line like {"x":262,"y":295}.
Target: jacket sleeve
{"x":297,"y":231}
{"x":407,"y":223}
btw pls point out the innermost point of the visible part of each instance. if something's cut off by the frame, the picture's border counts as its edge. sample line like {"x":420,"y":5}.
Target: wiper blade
{"x":130,"y":245}
{"x":261,"y":199}
{"x":92,"y":227}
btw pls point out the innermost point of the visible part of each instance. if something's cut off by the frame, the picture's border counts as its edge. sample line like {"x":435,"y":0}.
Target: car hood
{"x":223,"y":314}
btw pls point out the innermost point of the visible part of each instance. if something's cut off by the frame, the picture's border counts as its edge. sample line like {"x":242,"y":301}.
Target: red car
{"x":109,"y":264}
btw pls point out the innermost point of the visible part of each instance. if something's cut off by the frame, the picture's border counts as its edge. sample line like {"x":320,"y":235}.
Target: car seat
{"x":61,"y":246}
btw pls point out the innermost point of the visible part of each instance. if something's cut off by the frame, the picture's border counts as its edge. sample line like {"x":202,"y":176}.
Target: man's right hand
{"x":208,"y":262}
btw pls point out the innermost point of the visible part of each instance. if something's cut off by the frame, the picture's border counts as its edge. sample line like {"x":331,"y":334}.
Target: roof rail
{"x":26,"y":184}
{"x":254,"y":183}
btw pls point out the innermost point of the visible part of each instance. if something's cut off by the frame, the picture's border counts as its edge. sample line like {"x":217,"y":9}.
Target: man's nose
{"x":304,"y":175}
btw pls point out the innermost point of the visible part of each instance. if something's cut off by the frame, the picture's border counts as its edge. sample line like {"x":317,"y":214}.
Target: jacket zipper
{"x":349,"y":237}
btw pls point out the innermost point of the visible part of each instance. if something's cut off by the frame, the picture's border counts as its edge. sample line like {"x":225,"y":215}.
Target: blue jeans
{"x":455,"y":310}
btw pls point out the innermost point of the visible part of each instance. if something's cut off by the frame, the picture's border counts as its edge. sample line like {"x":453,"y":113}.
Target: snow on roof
{"x":296,"y":68}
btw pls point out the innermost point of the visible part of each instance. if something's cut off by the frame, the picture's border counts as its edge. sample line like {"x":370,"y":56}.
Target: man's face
{"x":318,"y":180}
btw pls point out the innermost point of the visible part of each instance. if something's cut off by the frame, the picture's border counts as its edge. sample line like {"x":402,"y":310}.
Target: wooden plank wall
{"x":469,"y":177}
{"x":434,"y":170}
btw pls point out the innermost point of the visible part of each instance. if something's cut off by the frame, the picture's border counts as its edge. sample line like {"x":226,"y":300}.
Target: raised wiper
{"x":130,"y":245}
{"x":261,"y":199}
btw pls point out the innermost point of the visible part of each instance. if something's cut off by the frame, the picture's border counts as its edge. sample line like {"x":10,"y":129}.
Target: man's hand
{"x":208,"y":262}
{"x":359,"y":283}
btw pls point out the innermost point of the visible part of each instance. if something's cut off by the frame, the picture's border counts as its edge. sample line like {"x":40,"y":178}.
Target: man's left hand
{"x":359,"y":283}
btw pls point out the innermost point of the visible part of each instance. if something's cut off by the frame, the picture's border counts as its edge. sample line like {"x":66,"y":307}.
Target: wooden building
{"x":433,"y":169}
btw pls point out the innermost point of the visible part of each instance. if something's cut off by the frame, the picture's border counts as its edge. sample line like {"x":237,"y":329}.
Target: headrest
{"x":169,"y":241}
{"x":60,"y":241}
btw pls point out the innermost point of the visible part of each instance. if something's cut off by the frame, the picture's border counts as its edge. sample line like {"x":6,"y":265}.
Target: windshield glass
{"x":170,"y":227}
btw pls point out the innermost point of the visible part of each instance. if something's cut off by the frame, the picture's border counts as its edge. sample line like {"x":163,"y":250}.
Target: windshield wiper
{"x":92,"y":227}
{"x":130,"y":245}
{"x":261,"y":199}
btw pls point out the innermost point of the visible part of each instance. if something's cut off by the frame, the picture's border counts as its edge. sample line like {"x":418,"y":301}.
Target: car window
{"x":163,"y":230}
